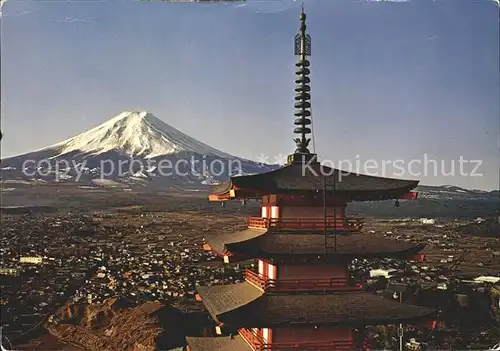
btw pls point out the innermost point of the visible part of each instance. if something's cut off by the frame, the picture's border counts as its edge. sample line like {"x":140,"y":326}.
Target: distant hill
{"x":489,"y":227}
{"x":429,"y":208}
{"x":452,"y":192}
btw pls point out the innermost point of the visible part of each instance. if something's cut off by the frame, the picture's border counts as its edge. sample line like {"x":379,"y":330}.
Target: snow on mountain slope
{"x":452,"y":192}
{"x":138,"y":134}
{"x":132,"y":147}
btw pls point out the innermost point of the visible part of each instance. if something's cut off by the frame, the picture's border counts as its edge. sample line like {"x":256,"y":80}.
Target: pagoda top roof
{"x":263,"y":243}
{"x":238,"y":306}
{"x":305,"y":178}
{"x":221,"y":343}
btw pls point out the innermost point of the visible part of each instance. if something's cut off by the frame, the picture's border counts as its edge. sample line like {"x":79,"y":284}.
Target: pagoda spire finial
{"x":302,"y":89}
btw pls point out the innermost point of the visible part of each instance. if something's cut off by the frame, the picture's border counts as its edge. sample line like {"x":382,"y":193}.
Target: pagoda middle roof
{"x":244,"y":310}
{"x":225,"y":298}
{"x":263,"y":243}
{"x":297,"y":177}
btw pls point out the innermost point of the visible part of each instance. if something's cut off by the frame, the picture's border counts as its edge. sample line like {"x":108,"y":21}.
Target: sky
{"x":402,"y":80}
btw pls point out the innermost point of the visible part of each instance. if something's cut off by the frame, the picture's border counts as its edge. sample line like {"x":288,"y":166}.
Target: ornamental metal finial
{"x":302,"y":89}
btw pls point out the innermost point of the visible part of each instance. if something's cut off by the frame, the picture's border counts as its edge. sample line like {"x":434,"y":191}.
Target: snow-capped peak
{"x":136,"y":133}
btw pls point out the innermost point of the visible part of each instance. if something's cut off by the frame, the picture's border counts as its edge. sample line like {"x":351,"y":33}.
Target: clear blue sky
{"x":389,"y":80}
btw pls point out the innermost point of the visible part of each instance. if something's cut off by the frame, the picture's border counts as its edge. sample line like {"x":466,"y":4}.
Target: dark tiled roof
{"x":271,"y":310}
{"x":223,"y":343}
{"x":361,"y":245}
{"x":222,"y":298}
{"x":262,"y":243}
{"x":352,"y":308}
{"x":296,"y":177}
{"x":218,"y":241}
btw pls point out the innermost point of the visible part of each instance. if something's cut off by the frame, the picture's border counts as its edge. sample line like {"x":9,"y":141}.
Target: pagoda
{"x":301,"y":296}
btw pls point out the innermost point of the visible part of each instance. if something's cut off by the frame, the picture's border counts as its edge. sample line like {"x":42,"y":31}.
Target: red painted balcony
{"x":275,"y":285}
{"x":256,"y":279}
{"x":257,"y":342}
{"x":339,"y":224}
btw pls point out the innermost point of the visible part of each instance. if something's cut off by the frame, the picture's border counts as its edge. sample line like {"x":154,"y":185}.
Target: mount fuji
{"x":133,"y":147}
{"x":137,"y":134}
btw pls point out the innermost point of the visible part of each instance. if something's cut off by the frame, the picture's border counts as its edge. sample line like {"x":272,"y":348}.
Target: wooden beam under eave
{"x":412,"y":195}
{"x":213,"y":197}
{"x":245,"y":194}
{"x":216,"y":197}
{"x":420,"y":257}
{"x":235,"y":193}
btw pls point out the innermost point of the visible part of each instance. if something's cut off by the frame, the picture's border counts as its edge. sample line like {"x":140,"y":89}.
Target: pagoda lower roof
{"x":298,"y":178}
{"x":265,"y":244}
{"x":221,"y":343}
{"x":237,"y":305}
{"x":225,"y":298}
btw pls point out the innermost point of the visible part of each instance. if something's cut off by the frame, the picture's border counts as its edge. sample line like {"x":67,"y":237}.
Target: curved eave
{"x":264,"y":244}
{"x":404,"y":254}
{"x":233,"y":192}
{"x":219,"y":299}
{"x":222,"y":188}
{"x":221,"y":243}
{"x":286,"y":180}
{"x":353,"y":309}
{"x":243,"y":305}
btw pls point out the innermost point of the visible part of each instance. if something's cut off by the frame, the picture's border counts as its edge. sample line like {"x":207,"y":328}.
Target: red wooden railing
{"x":297,"y":284}
{"x":347,"y":224}
{"x":256,"y":279}
{"x":257,"y":342}
{"x":258,"y":222}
